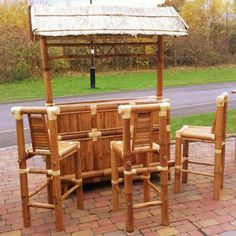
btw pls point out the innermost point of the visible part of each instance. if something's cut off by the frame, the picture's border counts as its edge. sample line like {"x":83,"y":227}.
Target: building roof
{"x":64,"y":20}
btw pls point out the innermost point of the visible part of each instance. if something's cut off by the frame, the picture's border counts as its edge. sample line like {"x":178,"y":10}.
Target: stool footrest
{"x":198,"y":173}
{"x":147,"y":204}
{"x":41,"y":205}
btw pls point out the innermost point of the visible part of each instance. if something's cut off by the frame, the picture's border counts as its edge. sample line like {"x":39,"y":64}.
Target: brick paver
{"x":192,"y":211}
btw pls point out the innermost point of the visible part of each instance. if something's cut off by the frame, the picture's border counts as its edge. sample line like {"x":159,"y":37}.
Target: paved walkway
{"x":192,"y":212}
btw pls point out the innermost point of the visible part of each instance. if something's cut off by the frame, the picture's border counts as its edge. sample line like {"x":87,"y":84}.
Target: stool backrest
{"x":143,"y":125}
{"x":39,"y":132}
{"x":143,"y":130}
{"x":220,"y":121}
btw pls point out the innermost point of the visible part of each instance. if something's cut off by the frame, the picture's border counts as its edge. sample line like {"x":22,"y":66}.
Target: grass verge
{"x":69,"y":85}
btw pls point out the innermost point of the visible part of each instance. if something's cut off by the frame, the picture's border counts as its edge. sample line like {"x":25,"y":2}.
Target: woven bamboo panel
{"x":81,"y":121}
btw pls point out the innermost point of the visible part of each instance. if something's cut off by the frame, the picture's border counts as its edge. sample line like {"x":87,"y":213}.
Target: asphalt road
{"x":184,"y":101}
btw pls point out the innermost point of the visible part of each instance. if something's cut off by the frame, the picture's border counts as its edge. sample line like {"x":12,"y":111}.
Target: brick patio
{"x":192,"y":212}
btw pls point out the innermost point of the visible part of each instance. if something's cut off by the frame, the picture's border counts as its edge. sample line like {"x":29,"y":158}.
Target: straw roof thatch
{"x":59,"y":20}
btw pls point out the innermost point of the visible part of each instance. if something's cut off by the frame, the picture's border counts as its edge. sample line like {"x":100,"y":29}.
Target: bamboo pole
{"x":128,"y":178}
{"x":185,"y":164}
{"x":78,"y":176}
{"x":114,"y":181}
{"x":23,"y":165}
{"x":178,"y":165}
{"x":41,"y":205}
{"x":52,"y":120}
{"x":160,"y":66}
{"x":224,"y":137}
{"x":147,"y":204}
{"x":49,"y":179}
{"x":234,"y":91}
{"x":146,"y":175}
{"x":218,"y":148}
{"x":46,"y":71}
{"x":198,"y":173}
{"x":164,"y":164}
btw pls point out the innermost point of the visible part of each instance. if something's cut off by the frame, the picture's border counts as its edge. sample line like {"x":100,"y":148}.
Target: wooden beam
{"x":72,"y":57}
{"x":30,"y":23}
{"x":46,"y":70}
{"x":160,"y":66}
{"x":99,"y":44}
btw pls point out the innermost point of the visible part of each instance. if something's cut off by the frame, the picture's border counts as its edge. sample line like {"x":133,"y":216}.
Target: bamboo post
{"x":78,"y":176}
{"x":52,"y":120}
{"x":146,"y":189}
{"x":178,"y":165}
{"x":46,"y":71}
{"x":49,"y":179}
{"x":114,"y":181}
{"x":218,"y":147}
{"x":128,"y":177}
{"x":22,"y":165}
{"x":164,"y":165}
{"x":160,"y":66}
{"x":95,"y":146}
{"x":185,"y":163}
{"x":224,"y":136}
{"x":234,"y":91}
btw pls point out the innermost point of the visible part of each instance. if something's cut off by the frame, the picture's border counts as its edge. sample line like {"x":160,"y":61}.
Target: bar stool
{"x":43,"y":130}
{"x":216,"y":135}
{"x":142,"y":143}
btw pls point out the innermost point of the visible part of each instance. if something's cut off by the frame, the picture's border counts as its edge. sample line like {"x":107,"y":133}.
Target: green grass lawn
{"x":68,"y":85}
{"x":201,"y":120}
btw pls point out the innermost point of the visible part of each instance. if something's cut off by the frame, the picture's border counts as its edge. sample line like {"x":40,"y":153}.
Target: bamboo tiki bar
{"x":80,"y":139}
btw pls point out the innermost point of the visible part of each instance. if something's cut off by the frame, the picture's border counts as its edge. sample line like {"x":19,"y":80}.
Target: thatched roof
{"x":58,"y":20}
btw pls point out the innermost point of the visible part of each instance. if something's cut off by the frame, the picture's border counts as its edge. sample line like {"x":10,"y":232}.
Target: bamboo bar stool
{"x":43,"y":130}
{"x":216,"y":135}
{"x":140,"y":142}
{"x":234,"y":91}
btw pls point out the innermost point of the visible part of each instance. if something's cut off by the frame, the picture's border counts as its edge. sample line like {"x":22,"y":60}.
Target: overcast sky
{"x":147,"y":3}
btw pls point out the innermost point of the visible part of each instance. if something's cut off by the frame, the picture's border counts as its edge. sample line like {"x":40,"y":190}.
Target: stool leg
{"x":114,"y":181}
{"x":58,"y":203}
{"x":178,"y":165}
{"x":23,"y":176}
{"x":49,"y":186}
{"x":78,"y":176}
{"x":129,"y":214}
{"x":217,"y":170}
{"x":164,"y":198}
{"x":146,"y":175}
{"x":25,"y":199}
{"x":223,"y":164}
{"x":185,"y":163}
